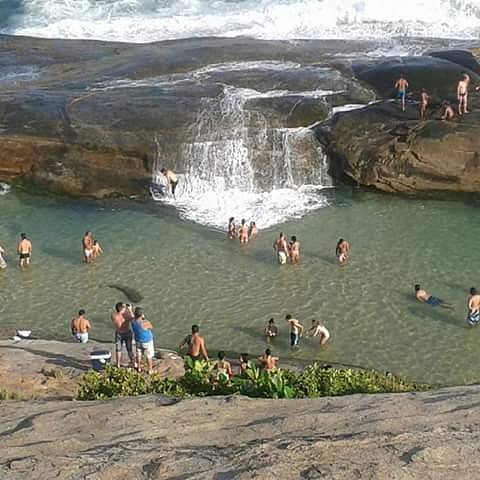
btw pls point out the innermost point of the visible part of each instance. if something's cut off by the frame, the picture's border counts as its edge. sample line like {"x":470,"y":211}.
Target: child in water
{"x":271,"y":330}
{"x":96,"y":249}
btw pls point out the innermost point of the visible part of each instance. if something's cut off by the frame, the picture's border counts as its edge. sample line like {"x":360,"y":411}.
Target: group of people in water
{"x":401,"y":86}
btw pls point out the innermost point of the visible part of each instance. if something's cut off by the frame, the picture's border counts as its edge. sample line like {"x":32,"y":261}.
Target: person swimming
{"x":243,"y":232}
{"x":423,"y":296}
{"x":232,"y":229}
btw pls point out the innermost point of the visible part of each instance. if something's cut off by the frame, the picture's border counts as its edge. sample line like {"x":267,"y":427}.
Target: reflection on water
{"x":190,"y":274}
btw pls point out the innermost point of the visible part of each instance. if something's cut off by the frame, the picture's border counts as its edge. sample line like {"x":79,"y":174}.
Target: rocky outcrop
{"x":431,"y":435}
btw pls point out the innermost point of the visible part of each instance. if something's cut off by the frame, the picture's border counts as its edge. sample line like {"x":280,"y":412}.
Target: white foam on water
{"x":152,"y":20}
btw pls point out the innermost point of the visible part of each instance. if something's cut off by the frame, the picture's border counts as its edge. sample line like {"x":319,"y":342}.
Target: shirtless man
{"x":253,"y":230}
{"x":87,"y":247}
{"x":473,"y":305}
{"x":319,"y":330}
{"x":232,"y":229}
{"x":296,"y":330}
{"x":80,"y":327}
{"x":342,"y":250}
{"x":267,"y":361}
{"x":462,"y":94}
{"x":171,"y":179}
{"x":424,"y":99}
{"x":195,"y":345}
{"x":401,"y":86}
{"x":294,"y":249}
{"x":121,"y":319}
{"x":448,"y":113}
{"x":423,"y":296}
{"x":24,"y":250}
{"x":243,"y":232}
{"x":280,"y":247}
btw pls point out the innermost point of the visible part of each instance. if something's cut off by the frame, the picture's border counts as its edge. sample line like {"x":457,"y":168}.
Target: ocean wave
{"x":153,"y":20}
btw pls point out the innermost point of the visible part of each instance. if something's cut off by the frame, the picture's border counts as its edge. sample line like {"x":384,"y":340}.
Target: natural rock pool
{"x":188,"y":274}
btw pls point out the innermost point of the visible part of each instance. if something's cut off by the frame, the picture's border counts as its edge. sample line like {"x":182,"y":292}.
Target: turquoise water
{"x":191,"y":274}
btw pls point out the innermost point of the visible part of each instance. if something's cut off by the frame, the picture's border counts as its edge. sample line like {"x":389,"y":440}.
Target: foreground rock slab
{"x":431,"y":435}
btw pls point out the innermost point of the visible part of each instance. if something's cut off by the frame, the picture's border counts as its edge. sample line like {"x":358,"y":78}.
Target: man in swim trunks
{"x":87,"y":247}
{"x":294,"y":250}
{"x":123,"y":333}
{"x":195,"y":345}
{"x":243,"y":232}
{"x":319,"y":330}
{"x":80,"y":327}
{"x":267,"y":361}
{"x":473,"y":305}
{"x":423,"y":296}
{"x":424,"y":99}
{"x":232,"y":229}
{"x":296,"y":330}
{"x":142,"y":332}
{"x":401,"y":86}
{"x":342,"y":250}
{"x":462,"y":94}
{"x":171,"y":179}
{"x":448,"y":113}
{"x":280,"y":247}
{"x":24,"y":250}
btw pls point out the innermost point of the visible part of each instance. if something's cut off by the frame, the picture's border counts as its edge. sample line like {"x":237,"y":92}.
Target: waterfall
{"x":238,"y":165}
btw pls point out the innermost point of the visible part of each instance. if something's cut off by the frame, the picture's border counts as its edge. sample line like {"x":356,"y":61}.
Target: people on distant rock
{"x":271,"y":330}
{"x":253,"y":230}
{"x":87,"y":246}
{"x":243,"y":232}
{"x":96,"y":249}
{"x":195,"y":345}
{"x":319,"y":330}
{"x":267,"y":361}
{"x":462,"y":94}
{"x":80,"y":327}
{"x":424,"y":99}
{"x":142,"y":332}
{"x":171,"y":179}
{"x":244,"y":363}
{"x":3,"y":262}
{"x":121,"y":320}
{"x":24,"y":250}
{"x":232,"y":229}
{"x":342,"y":251}
{"x":296,"y":330}
{"x":223,"y":368}
{"x":401,"y":86}
{"x":280,"y":247}
{"x":448,"y":112}
{"x":473,"y":306}
{"x":294,"y":250}
{"x":423,"y":296}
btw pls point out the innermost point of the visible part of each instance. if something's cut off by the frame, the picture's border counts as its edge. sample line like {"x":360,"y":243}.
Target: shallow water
{"x":191,"y":274}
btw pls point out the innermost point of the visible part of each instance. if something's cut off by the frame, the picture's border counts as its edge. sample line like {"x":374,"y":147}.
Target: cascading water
{"x":237,"y":165}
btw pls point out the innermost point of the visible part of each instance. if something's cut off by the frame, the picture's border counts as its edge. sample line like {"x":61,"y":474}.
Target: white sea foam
{"x":152,"y":20}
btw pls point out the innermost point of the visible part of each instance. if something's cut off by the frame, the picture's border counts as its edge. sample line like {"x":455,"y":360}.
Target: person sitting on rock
{"x":448,"y":113}
{"x":267,"y":361}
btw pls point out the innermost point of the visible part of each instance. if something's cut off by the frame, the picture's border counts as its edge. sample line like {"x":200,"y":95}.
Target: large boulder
{"x":382,"y":147}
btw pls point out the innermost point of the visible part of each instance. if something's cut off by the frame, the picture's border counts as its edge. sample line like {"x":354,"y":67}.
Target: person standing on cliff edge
{"x":462,"y":94}
{"x":171,"y":179}
{"x":401,"y":86}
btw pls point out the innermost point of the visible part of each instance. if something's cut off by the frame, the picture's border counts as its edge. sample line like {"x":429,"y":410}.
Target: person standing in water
{"x":473,"y":305}
{"x":401,"y":86}
{"x":294,"y":249}
{"x":96,"y":249}
{"x":462,"y":94}
{"x":232,"y":229}
{"x":280,"y":247}
{"x":171,"y":179}
{"x":271,"y":330}
{"x":87,"y":247}
{"x":243,"y":232}
{"x":253,"y":230}
{"x":319,"y":330}
{"x":24,"y":250}
{"x":3,"y":262}
{"x":342,"y":250}
{"x":424,"y":99}
{"x":296,"y":330}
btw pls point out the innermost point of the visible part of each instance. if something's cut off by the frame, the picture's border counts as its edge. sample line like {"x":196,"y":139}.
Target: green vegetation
{"x":200,"y":380}
{"x":6,"y":395}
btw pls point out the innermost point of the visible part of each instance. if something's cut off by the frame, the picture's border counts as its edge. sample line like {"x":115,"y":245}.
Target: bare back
{"x":80,"y":325}
{"x":24,"y":246}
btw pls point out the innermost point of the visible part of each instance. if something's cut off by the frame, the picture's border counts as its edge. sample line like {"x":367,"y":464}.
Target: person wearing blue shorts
{"x":401,"y":86}
{"x":423,"y":296}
